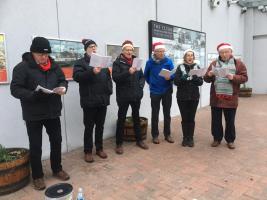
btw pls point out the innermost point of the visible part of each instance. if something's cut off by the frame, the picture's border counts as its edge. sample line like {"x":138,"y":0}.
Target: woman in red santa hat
{"x":224,"y":93}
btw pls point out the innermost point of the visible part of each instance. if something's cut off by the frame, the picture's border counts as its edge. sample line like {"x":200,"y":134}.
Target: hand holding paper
{"x":137,"y":63}
{"x":100,"y":61}
{"x":59,"y":90}
{"x":166,"y":73}
{"x":198,"y":72}
{"x":44,"y":90}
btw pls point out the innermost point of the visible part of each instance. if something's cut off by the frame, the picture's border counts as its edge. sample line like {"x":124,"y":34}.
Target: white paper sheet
{"x":220,"y":72}
{"x":100,"y":61}
{"x":166,"y":73}
{"x":198,"y":72}
{"x":44,"y":90}
{"x":137,"y":62}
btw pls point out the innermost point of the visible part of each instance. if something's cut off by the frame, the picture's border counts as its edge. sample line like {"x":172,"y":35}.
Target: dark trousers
{"x":94,"y":116}
{"x":166,"y":99}
{"x":188,"y":112}
{"x":216,"y":123}
{"x":34,"y":130}
{"x":122,"y":112}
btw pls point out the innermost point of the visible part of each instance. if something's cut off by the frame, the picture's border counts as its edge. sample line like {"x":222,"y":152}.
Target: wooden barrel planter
{"x":128,"y":134}
{"x":15,"y":174}
{"x":245,"y":92}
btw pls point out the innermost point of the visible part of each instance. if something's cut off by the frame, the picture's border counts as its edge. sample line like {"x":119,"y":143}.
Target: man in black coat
{"x":39,"y":83}
{"x":95,"y":86}
{"x":129,"y":92}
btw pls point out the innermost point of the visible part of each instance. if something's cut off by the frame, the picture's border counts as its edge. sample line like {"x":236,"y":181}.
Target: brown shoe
{"x":88,"y":157}
{"x":169,"y":139}
{"x":155,"y":140}
{"x":101,"y":154}
{"x":231,"y":145}
{"x":119,"y":149}
{"x":39,"y":184}
{"x":215,"y":143}
{"x":142,"y":145}
{"x":62,"y":175}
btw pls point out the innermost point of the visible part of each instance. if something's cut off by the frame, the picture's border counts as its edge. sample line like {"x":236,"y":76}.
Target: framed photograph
{"x":3,"y":60}
{"x":114,"y":50}
{"x":177,"y":40}
{"x":65,"y":53}
{"x":212,"y":57}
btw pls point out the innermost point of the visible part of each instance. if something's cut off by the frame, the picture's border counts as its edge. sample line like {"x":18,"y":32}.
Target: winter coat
{"x":187,"y":89}
{"x":129,"y":87}
{"x":95,"y":89}
{"x":157,"y":84}
{"x":27,"y":75}
{"x":239,"y":77}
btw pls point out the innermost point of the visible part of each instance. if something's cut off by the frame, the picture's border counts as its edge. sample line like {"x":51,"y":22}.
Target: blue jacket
{"x":158,"y":84}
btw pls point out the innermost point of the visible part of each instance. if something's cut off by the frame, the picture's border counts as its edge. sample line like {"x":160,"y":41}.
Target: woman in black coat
{"x":95,"y":86}
{"x":129,"y":91}
{"x":188,"y":95}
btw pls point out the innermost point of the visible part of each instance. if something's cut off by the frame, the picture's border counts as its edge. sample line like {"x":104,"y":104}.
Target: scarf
{"x":46,"y":66}
{"x":223,"y":86}
{"x":129,"y":61}
{"x":190,"y":66}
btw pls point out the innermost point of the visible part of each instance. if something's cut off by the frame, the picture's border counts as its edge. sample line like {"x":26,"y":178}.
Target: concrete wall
{"x":106,"y":22}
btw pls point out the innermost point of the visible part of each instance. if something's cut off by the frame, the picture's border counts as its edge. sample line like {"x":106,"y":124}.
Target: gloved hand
{"x":194,"y":78}
{"x":40,"y":96}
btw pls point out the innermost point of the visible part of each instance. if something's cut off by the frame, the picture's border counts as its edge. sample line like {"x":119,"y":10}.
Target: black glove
{"x":194,"y":78}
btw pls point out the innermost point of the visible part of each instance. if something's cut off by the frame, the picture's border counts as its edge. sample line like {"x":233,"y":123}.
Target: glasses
{"x":92,"y":46}
{"x":128,"y":50}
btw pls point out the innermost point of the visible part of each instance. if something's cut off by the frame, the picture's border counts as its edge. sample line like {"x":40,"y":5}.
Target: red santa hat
{"x":127,"y":43}
{"x":158,"y":45}
{"x":224,"y":46}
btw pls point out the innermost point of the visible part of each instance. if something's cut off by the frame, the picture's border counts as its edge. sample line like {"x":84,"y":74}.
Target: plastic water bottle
{"x":80,"y":194}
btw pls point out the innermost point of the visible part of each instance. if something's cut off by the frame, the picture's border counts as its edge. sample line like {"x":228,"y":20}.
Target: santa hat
{"x":189,"y":50}
{"x":158,"y":45}
{"x":224,"y":46}
{"x":127,"y":43}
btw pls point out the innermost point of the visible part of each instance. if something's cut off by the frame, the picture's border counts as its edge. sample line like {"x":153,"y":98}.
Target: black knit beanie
{"x":87,"y":43}
{"x":40,"y":45}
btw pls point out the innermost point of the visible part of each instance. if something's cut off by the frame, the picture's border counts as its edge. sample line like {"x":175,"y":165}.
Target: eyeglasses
{"x":92,"y":46}
{"x":128,"y":50}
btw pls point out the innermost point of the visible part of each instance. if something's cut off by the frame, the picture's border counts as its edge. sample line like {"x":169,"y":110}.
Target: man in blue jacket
{"x":160,"y":90}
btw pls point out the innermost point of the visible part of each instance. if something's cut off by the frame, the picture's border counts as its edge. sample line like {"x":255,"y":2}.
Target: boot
{"x":191,"y":129}
{"x":185,"y":134}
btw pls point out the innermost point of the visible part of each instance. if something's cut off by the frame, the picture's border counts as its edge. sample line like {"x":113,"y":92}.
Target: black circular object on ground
{"x":59,"y":190}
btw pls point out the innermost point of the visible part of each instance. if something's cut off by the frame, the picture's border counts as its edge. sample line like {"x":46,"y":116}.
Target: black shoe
{"x":190,"y":143}
{"x":184,"y":143}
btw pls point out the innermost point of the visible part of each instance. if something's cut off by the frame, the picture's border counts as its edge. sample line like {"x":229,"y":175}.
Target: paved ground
{"x":169,"y":171}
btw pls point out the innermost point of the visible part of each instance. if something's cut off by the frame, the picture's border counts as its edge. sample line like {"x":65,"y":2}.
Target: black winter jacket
{"x":95,"y":89}
{"x":129,"y":87}
{"x":187,"y":89}
{"x":27,"y":75}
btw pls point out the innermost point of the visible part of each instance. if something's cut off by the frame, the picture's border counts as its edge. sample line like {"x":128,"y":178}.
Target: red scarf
{"x":128,"y":60}
{"x":46,"y":67}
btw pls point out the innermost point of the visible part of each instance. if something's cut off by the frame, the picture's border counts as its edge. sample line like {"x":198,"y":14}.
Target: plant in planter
{"x":128,"y":134}
{"x":245,"y":91}
{"x":14,"y":169}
